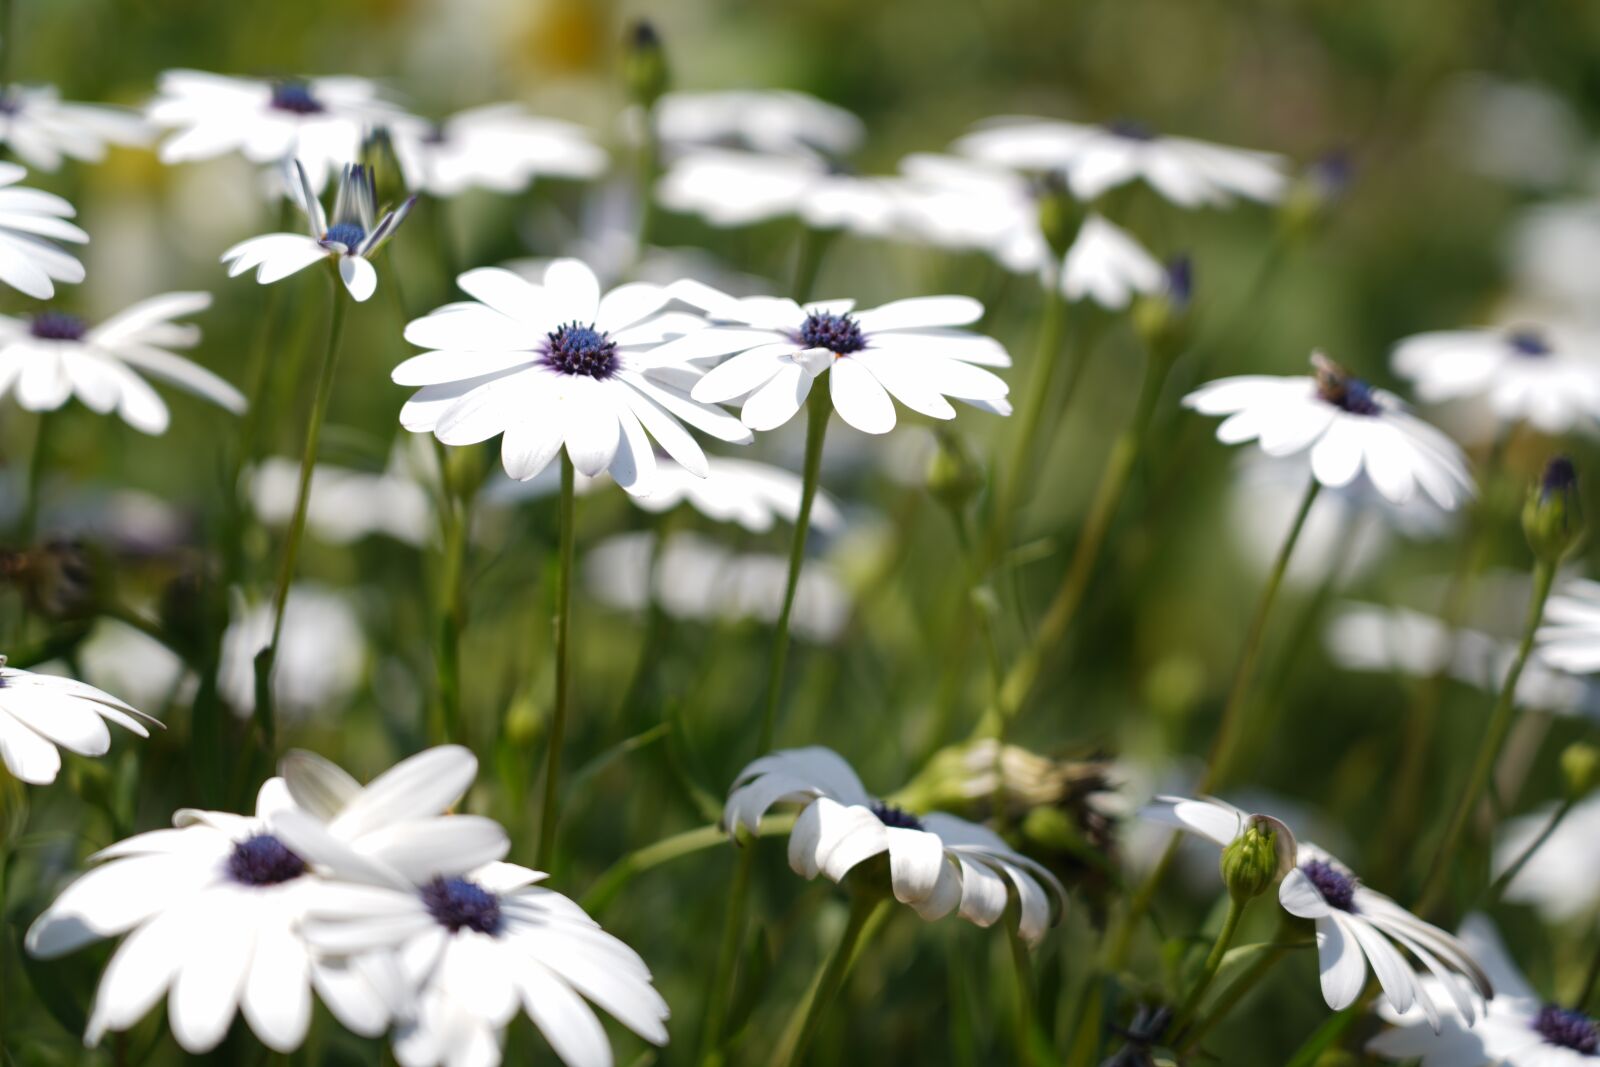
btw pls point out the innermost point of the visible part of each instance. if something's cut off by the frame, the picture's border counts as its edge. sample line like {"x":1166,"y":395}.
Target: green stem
{"x":1591,"y":980}
{"x":1500,"y":720}
{"x":267,"y":657}
{"x":865,"y":917}
{"x":666,"y":850}
{"x":456,"y":509}
{"x":1047,"y":354}
{"x":558,"y":718}
{"x":1022,"y":969}
{"x":1230,"y":926}
{"x":1509,"y":875}
{"x":1235,"y":992}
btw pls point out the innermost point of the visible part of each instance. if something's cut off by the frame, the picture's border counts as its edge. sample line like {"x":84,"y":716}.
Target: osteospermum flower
{"x":938,"y":863}
{"x":501,"y":147}
{"x":212,"y":908}
{"x":766,"y":120}
{"x":909,"y":349}
{"x":30,"y":220}
{"x":1096,"y":159}
{"x":553,"y":365}
{"x":40,"y":713}
{"x":728,"y":187}
{"x":1107,"y":265}
{"x":1548,"y":378}
{"x":1519,"y":1028}
{"x":351,"y":240}
{"x":49,"y":357}
{"x":317,"y":121}
{"x":42,"y":130}
{"x":1570,"y":636}
{"x":1221,"y":822}
{"x":1346,"y":427}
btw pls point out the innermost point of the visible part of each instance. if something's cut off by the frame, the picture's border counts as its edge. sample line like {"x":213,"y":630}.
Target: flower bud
{"x":1255,"y":860}
{"x":1162,"y":319}
{"x":1060,"y":213}
{"x":644,"y":64}
{"x":954,"y":474}
{"x":1314,"y":195}
{"x":377,"y":152}
{"x":1551,"y":517}
{"x":1580,"y":769}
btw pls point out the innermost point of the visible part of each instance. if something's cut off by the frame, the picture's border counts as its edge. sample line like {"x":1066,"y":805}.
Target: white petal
{"x":920,"y":312}
{"x":859,"y":398}
{"x":1344,"y":968}
{"x":359,"y":277}
{"x":574,"y":292}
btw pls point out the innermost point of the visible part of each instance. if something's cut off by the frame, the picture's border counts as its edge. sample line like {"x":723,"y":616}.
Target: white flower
{"x":910,"y":349}
{"x":1107,"y":265}
{"x":727,"y":187}
{"x":40,"y":129}
{"x":766,"y":120}
{"x":1553,"y":250}
{"x":29,"y":220}
{"x":1570,"y":636}
{"x":1549,"y":378}
{"x":1221,"y":822}
{"x":317,"y":121}
{"x":39,"y":712}
{"x":1518,"y":132}
{"x":346,"y":505}
{"x":1347,"y":427}
{"x":938,"y":863}
{"x":1096,"y":159}
{"x":212,"y":908}
{"x":1561,"y":879}
{"x":1518,"y":1028}
{"x":320,"y":660}
{"x":556,"y":365}
{"x":501,"y":147}
{"x":49,"y":357}
{"x":354,"y":237}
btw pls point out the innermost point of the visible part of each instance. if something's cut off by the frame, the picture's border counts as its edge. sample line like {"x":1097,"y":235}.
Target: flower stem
{"x":1591,"y":980}
{"x":267,"y":657}
{"x":866,"y":915}
{"x":620,"y":873}
{"x":454,"y":504}
{"x":1500,"y":720}
{"x":1235,"y":992}
{"x":1230,"y":926}
{"x":1502,"y":883}
{"x":1047,"y":353}
{"x":1022,"y":968}
{"x":558,"y":719}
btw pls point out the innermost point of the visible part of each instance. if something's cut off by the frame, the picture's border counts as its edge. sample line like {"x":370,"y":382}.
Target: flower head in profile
{"x":31,"y":220}
{"x":41,"y":129}
{"x":1548,"y":378}
{"x":1258,"y":850}
{"x":51,"y":356}
{"x":937,"y":863}
{"x":42,"y":713}
{"x":912,"y":350}
{"x":1098,"y":158}
{"x":776,"y":121}
{"x":500,"y":147}
{"x":559,"y":364}
{"x":730,"y":187}
{"x":354,"y":236}
{"x":1346,"y":428}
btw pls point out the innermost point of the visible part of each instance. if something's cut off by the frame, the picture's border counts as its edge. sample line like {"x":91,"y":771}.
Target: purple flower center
{"x":1568,"y":1029}
{"x":839,"y":334}
{"x":458,"y":904}
{"x":899,"y":818}
{"x":264,"y":860}
{"x":58,"y":326}
{"x":578,"y":349}
{"x":349,"y":234}
{"x":1528,"y":342}
{"x":1130,"y":129}
{"x":295,"y":97}
{"x":1336,"y":887}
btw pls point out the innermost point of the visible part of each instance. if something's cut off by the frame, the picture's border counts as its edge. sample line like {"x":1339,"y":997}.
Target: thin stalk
{"x":1236,"y":991}
{"x":1047,"y":353}
{"x":266,"y":658}
{"x":620,"y":873}
{"x":1230,"y":926}
{"x":1591,"y":980}
{"x":1500,"y":720}
{"x":1022,"y":969}
{"x":452,"y":603}
{"x":558,"y":719}
{"x":28,"y":525}
{"x":1509,"y":875}
{"x":649,"y":165}
{"x":804,"y":1024}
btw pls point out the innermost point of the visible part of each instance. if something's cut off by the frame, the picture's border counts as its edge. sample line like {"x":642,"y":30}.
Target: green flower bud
{"x":377,"y":152}
{"x":954,"y":474}
{"x":1314,"y":195}
{"x":1255,"y":860}
{"x":1551,"y":517}
{"x":1162,"y":319}
{"x":644,"y":64}
{"x":1580,"y":769}
{"x":1060,"y":213}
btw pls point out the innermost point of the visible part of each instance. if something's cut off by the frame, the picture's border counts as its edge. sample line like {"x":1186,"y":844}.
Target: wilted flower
{"x":30,"y":219}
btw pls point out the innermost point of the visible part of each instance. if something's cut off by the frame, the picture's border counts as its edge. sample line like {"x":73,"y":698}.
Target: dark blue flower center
{"x":349,"y":234}
{"x":457,"y":904}
{"x":1345,"y":391}
{"x":578,"y":349}
{"x":1336,"y":887}
{"x":1568,"y":1029}
{"x":1528,"y":342}
{"x":1130,"y":129}
{"x":1560,"y":476}
{"x":839,"y":334}
{"x":264,"y":860}
{"x":58,"y":326}
{"x":899,"y":818}
{"x":295,"y":97}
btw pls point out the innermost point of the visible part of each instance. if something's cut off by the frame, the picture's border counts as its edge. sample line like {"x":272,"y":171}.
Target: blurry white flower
{"x":49,"y":357}
{"x":1554,"y":247}
{"x":119,"y":657}
{"x":1106,"y":264}
{"x":1347,"y":428}
{"x":1517,"y":132}
{"x":765,"y":120}
{"x":317,"y":121}
{"x":1095,"y":159}
{"x":29,"y":220}
{"x":40,"y":129}
{"x":345,"y":505}
{"x":1518,"y":1027}
{"x":39,"y":712}
{"x":727,"y":187}
{"x":321,"y":657}
{"x":910,"y":349}
{"x":1561,"y":879}
{"x":501,"y":147}
{"x":1570,"y":636}
{"x":697,"y":579}
{"x":938,"y":863}
{"x":354,"y":237}
{"x":1549,"y":378}
{"x":556,"y":365}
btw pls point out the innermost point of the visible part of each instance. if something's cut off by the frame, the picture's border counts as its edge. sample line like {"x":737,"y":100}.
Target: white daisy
{"x":1347,"y":427}
{"x":1107,"y":265}
{"x":501,"y":147}
{"x":1518,"y":1029}
{"x":49,"y":357}
{"x":909,"y":349}
{"x":938,"y":863}
{"x":1570,"y":636}
{"x":321,"y":658}
{"x":30,"y":219}
{"x":1553,"y":248}
{"x":1562,"y":879}
{"x":765,"y":120}
{"x":556,"y":365}
{"x":42,"y":130}
{"x":346,"y":504}
{"x":39,"y":712}
{"x":355,"y":236}
{"x":728,"y":187}
{"x":1096,"y":159}
{"x":1546,"y":377}
{"x":317,"y":121}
